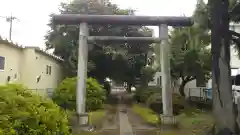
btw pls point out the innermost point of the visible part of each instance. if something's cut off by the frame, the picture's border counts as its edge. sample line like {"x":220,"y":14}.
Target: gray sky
{"x":34,"y":15}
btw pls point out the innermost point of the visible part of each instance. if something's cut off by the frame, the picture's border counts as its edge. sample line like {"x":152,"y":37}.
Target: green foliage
{"x":147,"y":74}
{"x":190,"y":54}
{"x":96,"y":117}
{"x":154,"y":102}
{"x":65,"y":94}
{"x":142,"y":94}
{"x":157,"y":98}
{"x":119,"y":61}
{"x":95,"y":95}
{"x":203,"y":18}
{"x":154,"y":98}
{"x":24,"y":113}
{"x":191,"y":57}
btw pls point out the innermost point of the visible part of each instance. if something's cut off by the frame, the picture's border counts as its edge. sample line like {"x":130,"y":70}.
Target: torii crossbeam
{"x":122,"y":20}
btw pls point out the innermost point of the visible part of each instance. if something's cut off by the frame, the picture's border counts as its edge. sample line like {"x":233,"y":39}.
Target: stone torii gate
{"x":162,"y":22}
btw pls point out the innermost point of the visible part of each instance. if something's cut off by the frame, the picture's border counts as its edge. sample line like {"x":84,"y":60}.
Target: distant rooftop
{"x":44,"y":52}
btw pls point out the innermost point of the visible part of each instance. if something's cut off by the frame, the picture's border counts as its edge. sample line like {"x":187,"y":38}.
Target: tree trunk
{"x":181,"y":88}
{"x":185,"y":80}
{"x":129,"y":88}
{"x":223,"y":107}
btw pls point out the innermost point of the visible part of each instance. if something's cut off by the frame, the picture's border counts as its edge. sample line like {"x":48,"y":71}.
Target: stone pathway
{"x":125,"y":121}
{"x":125,"y":126}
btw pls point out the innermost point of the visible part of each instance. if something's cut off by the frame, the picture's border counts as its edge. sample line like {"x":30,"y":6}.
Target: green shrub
{"x":25,"y":113}
{"x":142,"y":94}
{"x":155,"y":103}
{"x":147,"y":75}
{"x":154,"y":98}
{"x":65,"y":94}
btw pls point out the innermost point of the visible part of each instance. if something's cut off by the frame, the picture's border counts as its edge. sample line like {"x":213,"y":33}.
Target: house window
{"x":49,"y":70}
{"x":2,"y":63}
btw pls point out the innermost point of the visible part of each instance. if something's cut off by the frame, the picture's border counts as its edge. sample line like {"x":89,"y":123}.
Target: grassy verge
{"x":196,"y":124}
{"x":96,"y":117}
{"x":146,"y":114}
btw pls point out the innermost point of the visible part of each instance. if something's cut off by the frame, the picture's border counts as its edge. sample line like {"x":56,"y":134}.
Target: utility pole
{"x":10,"y":20}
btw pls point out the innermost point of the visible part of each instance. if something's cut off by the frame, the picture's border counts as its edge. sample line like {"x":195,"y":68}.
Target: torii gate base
{"x":167,"y":118}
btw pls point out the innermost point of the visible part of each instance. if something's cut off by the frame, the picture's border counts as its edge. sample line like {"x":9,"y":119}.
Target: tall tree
{"x":216,"y":16}
{"x":221,"y":74}
{"x":114,"y":60}
{"x":190,"y":57}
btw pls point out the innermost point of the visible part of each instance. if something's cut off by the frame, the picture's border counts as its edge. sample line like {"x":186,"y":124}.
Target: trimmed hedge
{"x":142,"y":94}
{"x":65,"y":94}
{"x":155,"y":103}
{"x":152,"y":97}
{"x":25,"y":113}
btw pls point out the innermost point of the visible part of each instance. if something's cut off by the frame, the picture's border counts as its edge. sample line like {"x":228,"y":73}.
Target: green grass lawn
{"x":194,"y":123}
{"x":146,"y":114}
{"x":96,"y":117}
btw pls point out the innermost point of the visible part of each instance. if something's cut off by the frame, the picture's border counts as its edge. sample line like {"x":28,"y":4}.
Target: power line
{"x":10,"y":20}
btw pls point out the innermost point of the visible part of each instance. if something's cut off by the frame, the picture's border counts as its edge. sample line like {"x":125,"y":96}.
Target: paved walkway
{"x":125,"y":126}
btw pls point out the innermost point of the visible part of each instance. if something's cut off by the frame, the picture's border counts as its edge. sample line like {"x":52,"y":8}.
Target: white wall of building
{"x":156,"y":80}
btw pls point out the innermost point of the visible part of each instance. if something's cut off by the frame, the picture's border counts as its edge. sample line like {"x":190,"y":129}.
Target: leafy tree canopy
{"x":191,"y":57}
{"x":121,"y":62}
{"x":204,"y":19}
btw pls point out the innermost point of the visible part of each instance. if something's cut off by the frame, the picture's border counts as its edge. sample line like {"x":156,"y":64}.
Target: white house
{"x":35,"y":68}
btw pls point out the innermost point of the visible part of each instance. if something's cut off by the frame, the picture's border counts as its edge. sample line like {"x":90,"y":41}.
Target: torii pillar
{"x":167,"y":117}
